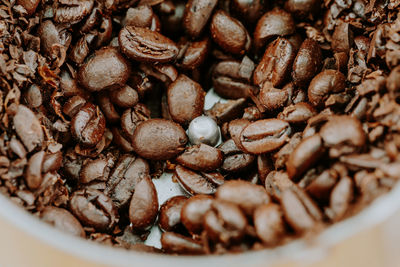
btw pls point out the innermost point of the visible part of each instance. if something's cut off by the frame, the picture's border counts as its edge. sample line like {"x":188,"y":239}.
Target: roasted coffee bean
{"x":195,"y":182}
{"x":276,"y":22}
{"x":34,"y":96}
{"x":276,"y":182}
{"x":264,"y":136}
{"x":104,"y":33}
{"x":304,"y":156}
{"x":62,"y":220}
{"x":132,"y":117}
{"x":224,"y":112}
{"x":166,"y":73}
{"x":145,"y":45}
{"x":125,"y":97}
{"x":73,"y":105}
{"x":282,"y":155}
{"x":324,"y":84}
{"x":128,"y":172}
{"x":143,"y":208}
{"x":201,"y":158}
{"x":342,"y":38}
{"x":175,"y":243}
{"x":68,"y":11}
{"x":94,"y":170}
{"x":244,"y":194}
{"x":159,"y":139}
{"x":341,"y":196}
{"x":197,"y":13}
{"x":28,"y":128}
{"x":53,"y":38}
{"x":321,"y":187}
{"x":170,"y":214}
{"x":81,"y":49}
{"x":225,"y":222}
{"x":33,"y":173}
{"x":229,"y":33}
{"x":307,"y":62}
{"x":343,"y":134}
{"x":29,"y":5}
{"x":269,"y":223}
{"x":108,"y":109}
{"x":93,"y":209}
{"x":69,"y":86}
{"x":142,"y":16}
{"x":264,"y":167}
{"x":193,"y":54}
{"x":297,"y":113}
{"x":185,"y":99}
{"x":106,"y":69}
{"x":235,"y":128}
{"x":52,"y":162}
{"x":88,"y":125}
{"x":271,"y":98}
{"x":122,"y":140}
{"x":193,"y":211}
{"x":17,"y":148}
{"x":234,"y":158}
{"x":249,"y":11}
{"x":303,"y":9}
{"x":276,"y":64}
{"x":228,"y":81}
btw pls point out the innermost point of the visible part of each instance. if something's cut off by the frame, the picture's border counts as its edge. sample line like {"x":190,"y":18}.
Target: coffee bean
{"x":249,"y":11}
{"x":265,"y":135}
{"x":244,"y":194}
{"x":194,"y":53}
{"x":128,"y":172}
{"x":321,"y":187}
{"x":201,"y":158}
{"x":142,"y":16}
{"x":122,"y":140}
{"x":33,"y":96}
{"x":276,"y":64}
{"x":304,"y":156}
{"x":159,"y":139}
{"x":297,"y":113}
{"x":52,"y":162}
{"x":29,"y":5}
{"x":276,"y":22}
{"x":185,"y":100}
{"x":104,"y":33}
{"x":33,"y":173}
{"x":229,"y":33}
{"x":143,"y":208}
{"x":28,"y":128}
{"x":224,"y":112}
{"x":307,"y":62}
{"x":264,"y":167}
{"x":234,"y":158}
{"x":93,"y":209}
{"x":225,"y":222}
{"x":73,"y":105}
{"x":72,"y":11}
{"x":170,"y":214}
{"x":176,"y":243}
{"x":62,"y":220}
{"x":125,"y":97}
{"x":81,"y":49}
{"x":193,"y":211}
{"x":88,"y":125}
{"x":145,"y":45}
{"x":235,"y":128}
{"x":53,"y":37}
{"x":107,"y":108}
{"x":324,"y":84}
{"x":17,"y":147}
{"x":193,"y":182}
{"x":342,"y":38}
{"x":196,"y":16}
{"x":276,"y":182}
{"x":106,"y":69}
{"x":269,"y":223}
{"x":271,"y":98}
{"x":341,"y":196}
{"x":303,"y":9}
{"x":94,"y":170}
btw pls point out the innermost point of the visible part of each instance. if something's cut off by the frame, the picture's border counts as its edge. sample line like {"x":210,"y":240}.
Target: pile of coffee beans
{"x":100,"y":98}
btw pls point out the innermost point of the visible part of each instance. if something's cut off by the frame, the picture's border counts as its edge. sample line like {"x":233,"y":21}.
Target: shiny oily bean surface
{"x":265,"y":135}
{"x":201,"y":158}
{"x":159,"y":139}
{"x":193,"y":211}
{"x":124,"y":97}
{"x":195,"y":182}
{"x":244,"y":194}
{"x":63,"y":220}
{"x":307,"y":63}
{"x":229,"y":33}
{"x":196,"y":16}
{"x":107,"y":68}
{"x":272,"y":98}
{"x":185,"y":99}
{"x":269,"y":223}
{"x":297,"y":113}
{"x":170,"y":214}
{"x":145,"y":45}
{"x":235,"y":160}
{"x":180,"y":244}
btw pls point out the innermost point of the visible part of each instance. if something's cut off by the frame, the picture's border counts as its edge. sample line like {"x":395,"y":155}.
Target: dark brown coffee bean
{"x":69,"y":86}
{"x":341,"y":196}
{"x":225,"y":222}
{"x":193,"y":211}
{"x":249,"y":11}
{"x":303,"y":9}
{"x":28,"y":128}
{"x":159,"y":139}
{"x":297,"y":113}
{"x":276,"y":182}
{"x":244,"y":194}
{"x":276,"y":22}
{"x":178,"y":244}
{"x":166,"y":73}
{"x":73,"y":105}
{"x":264,"y":167}
{"x":104,"y":33}
{"x":82,"y":47}
{"x":72,"y":11}
{"x":143,"y":208}
{"x":194,"y":182}
{"x":62,"y":220}
{"x":269,"y":223}
{"x":145,"y":45}
{"x":320,"y":188}
{"x":125,"y":97}
{"x":307,"y":62}
{"x":53,"y":38}
{"x":88,"y":125}
{"x":234,"y":158}
{"x":17,"y":147}
{"x":304,"y":156}
{"x":128,"y":172}
{"x":228,"y":81}
{"x":131,"y":118}
{"x":142,"y":16}
{"x":276,"y":64}
{"x":201,"y":158}
{"x":271,"y":98}
{"x":52,"y":162}
{"x":94,"y":170}
{"x":185,"y":99}
{"x":107,"y":68}
{"x":229,"y":33}
{"x":343,"y":134}
{"x":342,"y":38}
{"x":33,"y":173}
{"x":29,"y":5}
{"x":194,"y":53}
{"x":170,"y":214}
{"x":34,"y":96}
{"x":121,"y":139}
{"x":196,"y":16}
{"x":265,"y":135}
{"x":107,"y":108}
{"x":324,"y":84}
{"x":224,"y":112}
{"x":235,"y":128}
{"x":93,"y":209}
